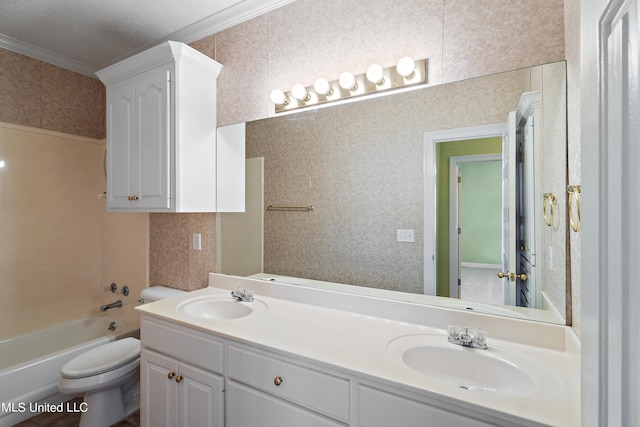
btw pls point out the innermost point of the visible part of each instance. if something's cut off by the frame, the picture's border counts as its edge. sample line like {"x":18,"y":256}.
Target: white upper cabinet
{"x":162,"y":153}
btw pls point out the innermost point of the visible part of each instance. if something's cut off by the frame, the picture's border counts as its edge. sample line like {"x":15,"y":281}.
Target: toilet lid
{"x":102,"y":359}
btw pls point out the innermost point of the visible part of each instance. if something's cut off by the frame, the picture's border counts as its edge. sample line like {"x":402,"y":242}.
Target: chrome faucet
{"x":477,"y":340}
{"x":245,"y":295}
{"x":112,"y":305}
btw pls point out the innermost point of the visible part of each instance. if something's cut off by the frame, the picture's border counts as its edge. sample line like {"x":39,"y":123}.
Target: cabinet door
{"x":158,"y":390}
{"x":152,"y":159}
{"x":381,"y":409}
{"x":247,"y":407}
{"x":120,"y":145}
{"x":201,"y":398}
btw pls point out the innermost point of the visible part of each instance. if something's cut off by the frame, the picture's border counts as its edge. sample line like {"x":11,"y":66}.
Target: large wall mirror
{"x":377,"y":173}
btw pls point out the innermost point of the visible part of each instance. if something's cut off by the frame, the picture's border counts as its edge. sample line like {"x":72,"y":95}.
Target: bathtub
{"x":30,"y":363}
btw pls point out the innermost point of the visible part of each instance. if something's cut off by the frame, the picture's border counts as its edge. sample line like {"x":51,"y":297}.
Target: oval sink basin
{"x":220,"y":307}
{"x":495,"y":371}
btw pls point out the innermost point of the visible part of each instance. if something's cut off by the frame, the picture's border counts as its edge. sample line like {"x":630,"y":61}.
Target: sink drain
{"x":464,"y":387}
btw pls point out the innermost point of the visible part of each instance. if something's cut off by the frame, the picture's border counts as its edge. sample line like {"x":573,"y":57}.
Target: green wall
{"x":444,"y":151}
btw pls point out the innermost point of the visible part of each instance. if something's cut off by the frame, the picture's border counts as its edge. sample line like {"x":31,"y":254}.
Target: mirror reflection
{"x":375,"y":182}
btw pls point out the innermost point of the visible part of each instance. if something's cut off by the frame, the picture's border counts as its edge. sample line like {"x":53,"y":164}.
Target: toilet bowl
{"x":108,"y":376}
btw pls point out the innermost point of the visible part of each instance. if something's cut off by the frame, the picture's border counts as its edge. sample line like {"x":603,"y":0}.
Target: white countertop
{"x":358,"y":342}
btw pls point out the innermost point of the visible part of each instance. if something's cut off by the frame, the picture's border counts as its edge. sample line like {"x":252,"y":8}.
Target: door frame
{"x":431,"y":139}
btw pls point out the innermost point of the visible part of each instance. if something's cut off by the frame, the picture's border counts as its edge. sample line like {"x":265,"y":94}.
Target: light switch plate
{"x":406,"y":236}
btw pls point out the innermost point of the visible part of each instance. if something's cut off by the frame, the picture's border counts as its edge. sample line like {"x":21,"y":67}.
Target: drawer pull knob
{"x":133,"y":198}
{"x":277,"y":381}
{"x":171,"y":375}
{"x":179,"y":378}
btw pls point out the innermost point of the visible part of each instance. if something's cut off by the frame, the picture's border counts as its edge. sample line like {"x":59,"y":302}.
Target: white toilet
{"x":109,"y":375}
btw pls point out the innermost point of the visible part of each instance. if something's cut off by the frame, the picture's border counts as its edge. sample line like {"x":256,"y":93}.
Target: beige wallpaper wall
{"x":34,"y":93}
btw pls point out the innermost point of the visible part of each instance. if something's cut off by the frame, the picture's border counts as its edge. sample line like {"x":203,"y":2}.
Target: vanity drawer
{"x":183,"y":343}
{"x":319,"y":391}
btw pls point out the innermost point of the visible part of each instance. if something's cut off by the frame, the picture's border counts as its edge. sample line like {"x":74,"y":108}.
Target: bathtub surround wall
{"x":59,"y":246}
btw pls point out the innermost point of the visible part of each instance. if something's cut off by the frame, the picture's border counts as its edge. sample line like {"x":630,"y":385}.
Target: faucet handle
{"x":454,"y":331}
{"x":480,"y":337}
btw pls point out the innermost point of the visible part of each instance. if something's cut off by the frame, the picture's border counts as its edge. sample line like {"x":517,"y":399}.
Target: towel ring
{"x":553,"y":200}
{"x":574,"y":194}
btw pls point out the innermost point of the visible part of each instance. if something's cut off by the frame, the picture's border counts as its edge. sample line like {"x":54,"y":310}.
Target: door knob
{"x":513,"y":276}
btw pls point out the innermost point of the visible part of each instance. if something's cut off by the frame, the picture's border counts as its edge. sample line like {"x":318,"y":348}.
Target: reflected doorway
{"x":475,"y":228}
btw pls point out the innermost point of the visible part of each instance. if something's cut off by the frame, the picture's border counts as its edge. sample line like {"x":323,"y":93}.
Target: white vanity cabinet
{"x":181,"y":382}
{"x":265,"y":389}
{"x":162,"y":152}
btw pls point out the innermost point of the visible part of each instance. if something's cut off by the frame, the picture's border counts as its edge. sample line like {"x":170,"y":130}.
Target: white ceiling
{"x":87,"y":35}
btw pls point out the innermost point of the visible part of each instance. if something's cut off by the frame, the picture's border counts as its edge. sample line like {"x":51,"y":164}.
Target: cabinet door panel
{"x":381,"y":409}
{"x":152,"y":156}
{"x":120,"y":145}
{"x":159,"y":394}
{"x":201,"y":398}
{"x":247,"y":407}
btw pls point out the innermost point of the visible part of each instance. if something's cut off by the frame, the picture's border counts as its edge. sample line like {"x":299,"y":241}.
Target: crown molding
{"x":239,"y":12}
{"x":26,"y":49}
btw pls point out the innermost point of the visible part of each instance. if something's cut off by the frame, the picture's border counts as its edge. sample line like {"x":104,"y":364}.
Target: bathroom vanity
{"x":306,"y":357}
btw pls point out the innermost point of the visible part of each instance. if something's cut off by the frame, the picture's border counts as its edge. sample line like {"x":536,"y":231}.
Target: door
{"x":509,"y":209}
{"x":201,"y":398}
{"x":527,"y":294}
{"x":158,"y":391}
{"x":610,"y":237}
{"x":240,"y":235}
{"x":120,"y":145}
{"x":152,"y":158}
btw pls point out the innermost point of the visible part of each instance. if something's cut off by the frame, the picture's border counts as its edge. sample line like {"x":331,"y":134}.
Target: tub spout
{"x":112,"y":305}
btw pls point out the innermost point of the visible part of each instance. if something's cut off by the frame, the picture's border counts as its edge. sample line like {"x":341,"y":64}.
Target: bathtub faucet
{"x":112,"y":305}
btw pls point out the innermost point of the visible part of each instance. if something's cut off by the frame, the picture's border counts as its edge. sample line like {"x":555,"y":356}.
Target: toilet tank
{"x":156,"y":293}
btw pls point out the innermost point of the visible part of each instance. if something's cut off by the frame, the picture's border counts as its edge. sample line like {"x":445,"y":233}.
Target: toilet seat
{"x":100,"y":360}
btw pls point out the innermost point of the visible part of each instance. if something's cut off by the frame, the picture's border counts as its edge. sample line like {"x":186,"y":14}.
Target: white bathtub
{"x":30,"y":363}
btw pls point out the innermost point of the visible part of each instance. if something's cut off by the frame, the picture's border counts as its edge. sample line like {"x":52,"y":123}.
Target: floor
{"x":481,"y":285}
{"x":55,"y":419}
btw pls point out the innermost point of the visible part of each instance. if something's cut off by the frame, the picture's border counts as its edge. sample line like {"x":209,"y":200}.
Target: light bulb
{"x":279,"y":98}
{"x":322,"y":87}
{"x":406,"y":67}
{"x":347,"y":81}
{"x":375,"y":74}
{"x":300,"y":92}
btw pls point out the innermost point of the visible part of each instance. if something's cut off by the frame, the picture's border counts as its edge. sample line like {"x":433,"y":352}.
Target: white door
{"x":509,"y":208}
{"x":152,"y":152}
{"x":527,"y":292}
{"x":120,"y":145}
{"x":610,"y":237}
{"x":201,"y":398}
{"x":240,"y":235}
{"x":158,"y":390}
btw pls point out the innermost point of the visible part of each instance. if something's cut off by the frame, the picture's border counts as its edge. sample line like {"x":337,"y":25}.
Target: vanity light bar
{"x":376,"y":79}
